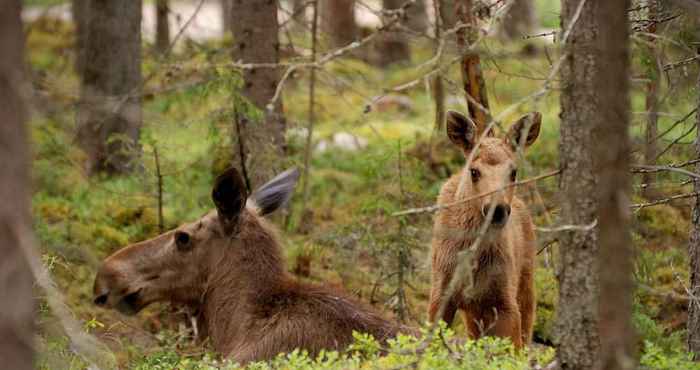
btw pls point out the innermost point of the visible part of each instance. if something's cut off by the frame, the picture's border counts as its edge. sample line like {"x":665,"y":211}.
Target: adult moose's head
{"x":184,"y":264}
{"x":229,"y":266}
{"x":491,"y":162}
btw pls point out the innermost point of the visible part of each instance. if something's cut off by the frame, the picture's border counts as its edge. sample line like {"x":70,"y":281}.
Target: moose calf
{"x":500,"y":300}
{"x":228,"y":265}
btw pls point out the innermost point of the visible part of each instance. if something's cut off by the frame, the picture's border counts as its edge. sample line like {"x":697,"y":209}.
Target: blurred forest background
{"x":135,"y":106}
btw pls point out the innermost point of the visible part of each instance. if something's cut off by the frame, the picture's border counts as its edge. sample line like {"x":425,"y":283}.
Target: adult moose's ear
{"x":229,"y":195}
{"x":276,"y":192}
{"x":460,"y":129}
{"x":525,"y":131}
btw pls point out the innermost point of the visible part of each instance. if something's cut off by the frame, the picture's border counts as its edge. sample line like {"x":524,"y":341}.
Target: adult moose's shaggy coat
{"x":500,"y":298}
{"x":229,"y":266}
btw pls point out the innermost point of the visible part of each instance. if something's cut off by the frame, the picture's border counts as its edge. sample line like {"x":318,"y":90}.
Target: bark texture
{"x":162,"y":26}
{"x":617,"y":350}
{"x":80,"y":17}
{"x":576,"y":325}
{"x":694,"y":254}
{"x":519,"y":20}
{"x":472,"y":76}
{"x":338,"y":22}
{"x":109,"y":115}
{"x":17,"y":314}
{"x":258,"y":132}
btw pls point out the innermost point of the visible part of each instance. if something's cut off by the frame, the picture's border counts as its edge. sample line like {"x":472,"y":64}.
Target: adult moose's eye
{"x":182,"y":241}
{"x":513,"y":175}
{"x":476,"y":174}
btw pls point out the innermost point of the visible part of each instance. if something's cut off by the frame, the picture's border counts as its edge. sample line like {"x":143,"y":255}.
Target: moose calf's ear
{"x":276,"y":192}
{"x":229,"y":195}
{"x":525,"y":131}
{"x":460,"y":130}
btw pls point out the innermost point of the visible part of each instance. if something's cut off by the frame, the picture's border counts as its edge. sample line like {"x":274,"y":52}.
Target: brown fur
{"x":250,"y":306}
{"x":502,"y":299}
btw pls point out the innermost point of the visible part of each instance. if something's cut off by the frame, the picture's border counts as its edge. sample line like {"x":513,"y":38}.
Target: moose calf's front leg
{"x":495,"y":321}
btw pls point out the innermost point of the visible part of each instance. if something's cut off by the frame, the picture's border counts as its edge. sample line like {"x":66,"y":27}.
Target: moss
{"x":547,"y":299}
{"x":662,"y":222}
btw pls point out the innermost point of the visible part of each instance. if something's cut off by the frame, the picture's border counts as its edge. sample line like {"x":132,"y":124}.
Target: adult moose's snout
{"x":501,"y":212}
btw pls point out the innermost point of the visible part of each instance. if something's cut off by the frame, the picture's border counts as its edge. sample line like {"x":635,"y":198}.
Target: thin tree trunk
{"x":338,"y":21}
{"x":576,"y":326}
{"x":109,"y":115}
{"x":652,"y":101}
{"x":617,"y":349}
{"x":393,"y":44}
{"x":438,"y":86}
{"x":519,"y":20}
{"x":472,"y":76}
{"x":162,"y":26}
{"x":259,"y":139}
{"x":17,"y":315}
{"x":312,"y":110}
{"x":694,"y":251}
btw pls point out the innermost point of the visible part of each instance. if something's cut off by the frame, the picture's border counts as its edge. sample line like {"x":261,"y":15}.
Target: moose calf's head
{"x":491,"y":162}
{"x":180,"y":265}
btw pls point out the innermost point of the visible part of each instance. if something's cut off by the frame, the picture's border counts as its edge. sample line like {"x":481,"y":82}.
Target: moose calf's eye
{"x":182,"y":241}
{"x":476,"y":174}
{"x":513,"y":175}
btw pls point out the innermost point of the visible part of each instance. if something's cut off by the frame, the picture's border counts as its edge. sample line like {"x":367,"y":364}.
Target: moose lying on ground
{"x":229,"y":266}
{"x":501,"y":298}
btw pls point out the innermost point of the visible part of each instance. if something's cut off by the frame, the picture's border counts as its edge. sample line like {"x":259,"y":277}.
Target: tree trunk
{"x":417,"y":16}
{"x":694,"y":251}
{"x":472,"y":76}
{"x":519,"y":20}
{"x":227,"y":15}
{"x":162,"y":26}
{"x":617,"y":339}
{"x":259,"y":132}
{"x":576,"y":325}
{"x":17,"y":317}
{"x":652,"y":101}
{"x":109,"y":116}
{"x":393,"y":44}
{"x":338,"y":21}
{"x":80,"y":17}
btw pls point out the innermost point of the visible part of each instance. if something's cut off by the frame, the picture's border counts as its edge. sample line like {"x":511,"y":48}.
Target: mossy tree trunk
{"x":17,"y":317}
{"x":576,"y":327}
{"x":694,"y":251}
{"x":258,"y":131}
{"x":616,"y":258}
{"x":109,"y":115}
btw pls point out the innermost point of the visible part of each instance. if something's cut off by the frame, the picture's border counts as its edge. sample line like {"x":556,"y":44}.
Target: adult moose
{"x":500,"y":300}
{"x":229,"y":266}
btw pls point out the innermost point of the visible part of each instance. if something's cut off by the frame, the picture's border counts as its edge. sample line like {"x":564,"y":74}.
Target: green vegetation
{"x":349,"y":237}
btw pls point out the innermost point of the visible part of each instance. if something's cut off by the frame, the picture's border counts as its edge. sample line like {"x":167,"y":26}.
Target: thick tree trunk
{"x":162,"y":26}
{"x":577,"y":313}
{"x":17,"y":315}
{"x":259,"y":136}
{"x":617,"y":349}
{"x":519,"y":20}
{"x":80,"y":17}
{"x":109,"y":116}
{"x":338,"y":22}
{"x":694,"y":252}
{"x":652,"y":101}
{"x":393,"y":44}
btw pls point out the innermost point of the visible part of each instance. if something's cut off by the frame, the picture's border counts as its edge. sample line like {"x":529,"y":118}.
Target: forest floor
{"x":349,"y":237}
